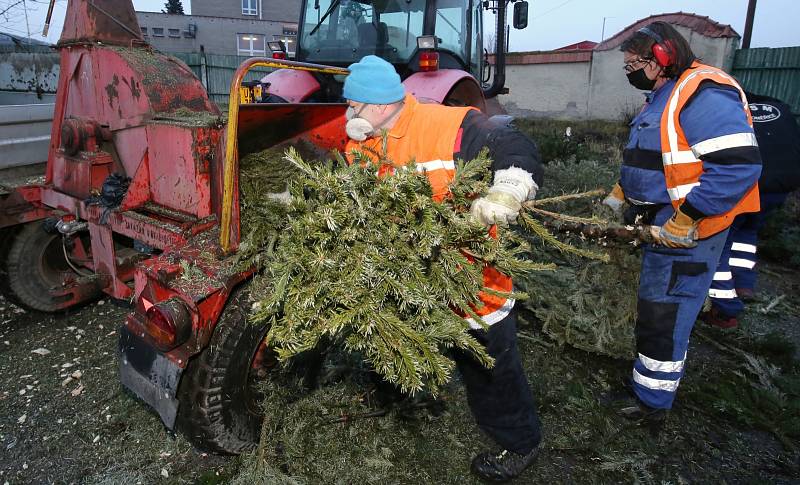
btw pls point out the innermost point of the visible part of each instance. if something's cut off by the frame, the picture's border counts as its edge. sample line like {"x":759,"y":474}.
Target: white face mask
{"x":357,"y":128}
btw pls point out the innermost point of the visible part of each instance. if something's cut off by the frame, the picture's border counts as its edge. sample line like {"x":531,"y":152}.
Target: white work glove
{"x":501,"y":205}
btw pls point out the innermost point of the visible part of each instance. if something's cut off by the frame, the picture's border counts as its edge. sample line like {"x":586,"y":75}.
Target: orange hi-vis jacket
{"x":683,"y":165}
{"x":429,"y":134}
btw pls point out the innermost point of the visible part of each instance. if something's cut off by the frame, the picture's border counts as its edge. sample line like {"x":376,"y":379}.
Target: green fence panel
{"x":771,"y":72}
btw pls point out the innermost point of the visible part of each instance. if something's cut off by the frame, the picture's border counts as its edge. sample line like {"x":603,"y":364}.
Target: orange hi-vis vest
{"x":682,"y":163}
{"x":428,"y":134}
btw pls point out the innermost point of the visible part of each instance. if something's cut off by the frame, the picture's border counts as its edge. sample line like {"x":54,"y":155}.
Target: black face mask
{"x":639,"y":80}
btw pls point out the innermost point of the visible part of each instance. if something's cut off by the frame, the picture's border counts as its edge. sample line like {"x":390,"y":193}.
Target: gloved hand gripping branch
{"x":501,"y":205}
{"x":615,"y":200}
{"x":680,"y":231}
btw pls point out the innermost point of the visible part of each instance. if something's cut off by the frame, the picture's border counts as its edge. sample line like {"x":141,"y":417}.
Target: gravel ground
{"x":64,"y":417}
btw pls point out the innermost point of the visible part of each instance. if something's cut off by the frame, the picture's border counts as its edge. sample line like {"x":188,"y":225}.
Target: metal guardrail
{"x":24,"y":134}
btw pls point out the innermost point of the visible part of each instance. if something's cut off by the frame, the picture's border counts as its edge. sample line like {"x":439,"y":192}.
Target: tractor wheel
{"x":219,"y":406}
{"x":33,"y":265}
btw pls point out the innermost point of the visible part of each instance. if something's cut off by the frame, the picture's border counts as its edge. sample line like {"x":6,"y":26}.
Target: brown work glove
{"x":680,"y":231}
{"x":613,"y":205}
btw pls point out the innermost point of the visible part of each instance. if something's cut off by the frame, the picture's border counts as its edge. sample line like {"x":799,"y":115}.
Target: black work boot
{"x":635,"y":410}
{"x":502,"y":466}
{"x":629,"y":406}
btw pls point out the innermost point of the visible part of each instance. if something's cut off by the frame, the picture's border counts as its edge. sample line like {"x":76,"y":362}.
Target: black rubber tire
{"x":33,"y":266}
{"x":218,"y":409}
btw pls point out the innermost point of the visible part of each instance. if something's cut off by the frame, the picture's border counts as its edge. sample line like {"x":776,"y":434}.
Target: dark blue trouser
{"x":738,"y":259}
{"x":672,"y":288}
{"x":500,"y":398}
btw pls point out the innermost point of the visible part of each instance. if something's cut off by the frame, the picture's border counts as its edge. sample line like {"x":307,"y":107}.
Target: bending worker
{"x":691,"y":165}
{"x":779,"y":143}
{"x":434,"y":136}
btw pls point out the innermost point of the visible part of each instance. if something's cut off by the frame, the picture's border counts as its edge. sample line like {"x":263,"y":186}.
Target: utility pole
{"x":603,"y":33}
{"x":27,"y":23}
{"x":748,"y":24}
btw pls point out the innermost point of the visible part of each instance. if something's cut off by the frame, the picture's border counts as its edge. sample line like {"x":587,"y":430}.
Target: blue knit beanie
{"x":372,"y":80}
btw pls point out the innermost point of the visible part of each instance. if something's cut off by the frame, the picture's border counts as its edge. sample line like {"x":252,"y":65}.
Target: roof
{"x":703,"y":25}
{"x":16,"y":42}
{"x":584,"y":45}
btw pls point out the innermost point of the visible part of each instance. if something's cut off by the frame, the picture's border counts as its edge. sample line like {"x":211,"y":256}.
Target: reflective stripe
{"x":747,"y":248}
{"x":494,"y":317}
{"x":657,"y":384}
{"x":741,"y":263}
{"x":681,"y":156}
{"x":436,"y":165}
{"x":722,"y":294}
{"x":661,"y":366}
{"x":723,"y":276}
{"x":672,"y":133}
{"x":722,"y":142}
{"x":679,"y":192}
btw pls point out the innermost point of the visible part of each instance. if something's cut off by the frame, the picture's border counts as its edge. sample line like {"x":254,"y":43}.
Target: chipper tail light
{"x":428,"y":57}
{"x":169,"y":323}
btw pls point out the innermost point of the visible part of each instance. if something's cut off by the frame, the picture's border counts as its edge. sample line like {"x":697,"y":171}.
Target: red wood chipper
{"x":141,"y":186}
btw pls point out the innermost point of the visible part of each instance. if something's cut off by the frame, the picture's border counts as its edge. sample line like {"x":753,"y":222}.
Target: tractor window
{"x":476,"y":53}
{"x":451,"y":27}
{"x":344,"y":31}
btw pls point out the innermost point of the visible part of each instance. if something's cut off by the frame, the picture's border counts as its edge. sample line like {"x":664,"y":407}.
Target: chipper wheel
{"x":219,"y":403}
{"x":33,"y":263}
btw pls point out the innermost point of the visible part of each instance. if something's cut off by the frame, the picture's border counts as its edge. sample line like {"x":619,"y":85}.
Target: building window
{"x":249,"y":7}
{"x":158,"y":32}
{"x":144,"y":31}
{"x":251,"y":45}
{"x":176,"y":33}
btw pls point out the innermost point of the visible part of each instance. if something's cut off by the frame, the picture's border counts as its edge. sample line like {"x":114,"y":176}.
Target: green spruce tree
{"x":375,"y":265}
{"x":173,"y":7}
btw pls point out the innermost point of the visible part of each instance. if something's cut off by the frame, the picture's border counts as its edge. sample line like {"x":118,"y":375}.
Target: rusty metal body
{"x":123,"y":108}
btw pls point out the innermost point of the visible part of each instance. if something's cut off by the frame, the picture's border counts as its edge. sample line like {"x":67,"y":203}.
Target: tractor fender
{"x":292,"y":85}
{"x":446,"y":86}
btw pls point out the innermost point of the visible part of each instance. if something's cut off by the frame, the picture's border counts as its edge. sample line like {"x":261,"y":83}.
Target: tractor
{"x":140,"y":198}
{"x":435,"y":45}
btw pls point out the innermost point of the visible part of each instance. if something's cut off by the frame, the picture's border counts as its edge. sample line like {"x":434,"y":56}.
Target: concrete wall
{"x":557,"y":91}
{"x":597,"y":89}
{"x":278,"y":10}
{"x":24,"y":134}
{"x":216,"y":35}
{"x":29,"y":72}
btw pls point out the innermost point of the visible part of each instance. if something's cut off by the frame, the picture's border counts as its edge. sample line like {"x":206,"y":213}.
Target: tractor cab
{"x":340,"y":32}
{"x":438,"y":38}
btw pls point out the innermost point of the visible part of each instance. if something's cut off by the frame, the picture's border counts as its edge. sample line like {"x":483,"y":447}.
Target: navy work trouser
{"x":672,"y":288}
{"x":500,"y":398}
{"x":738,"y":259}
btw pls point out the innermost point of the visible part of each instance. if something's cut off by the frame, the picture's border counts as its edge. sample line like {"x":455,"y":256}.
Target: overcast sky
{"x":553,"y":23}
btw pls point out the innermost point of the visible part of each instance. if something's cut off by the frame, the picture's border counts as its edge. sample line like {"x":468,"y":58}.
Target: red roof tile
{"x":698,"y":23}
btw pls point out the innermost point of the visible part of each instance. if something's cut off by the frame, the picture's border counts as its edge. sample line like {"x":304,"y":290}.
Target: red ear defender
{"x":664,"y":54}
{"x":663,"y":51}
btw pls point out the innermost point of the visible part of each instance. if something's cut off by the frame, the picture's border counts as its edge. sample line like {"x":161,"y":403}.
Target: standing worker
{"x":434,"y":136}
{"x":779,"y":142}
{"x":691,"y":165}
